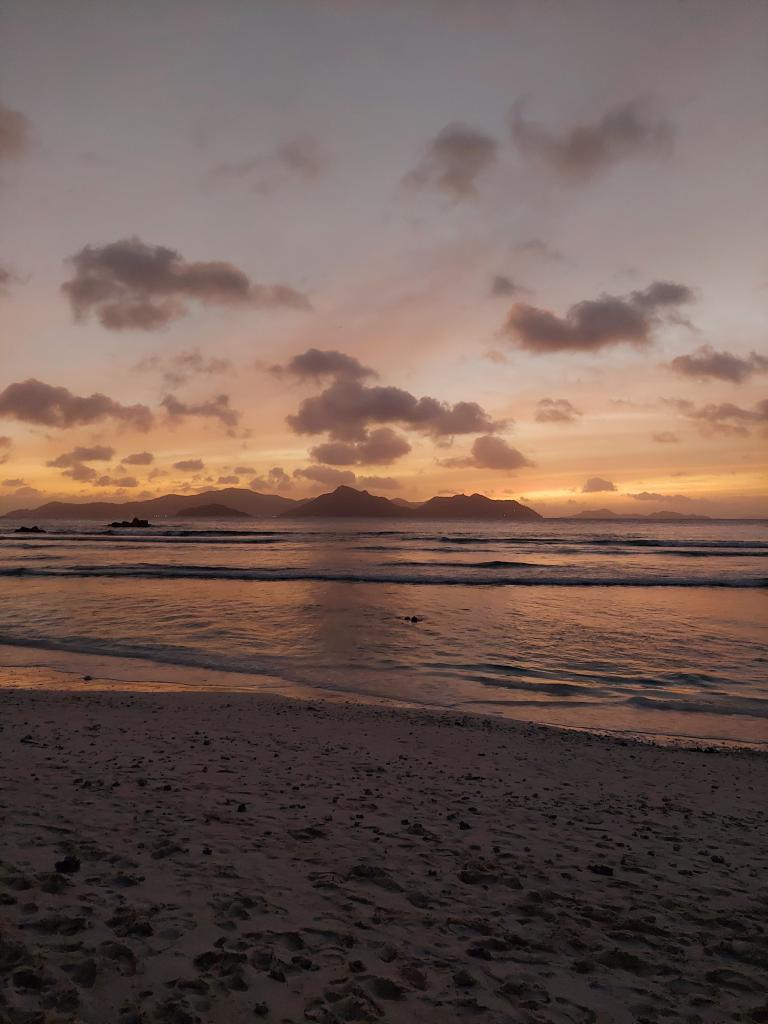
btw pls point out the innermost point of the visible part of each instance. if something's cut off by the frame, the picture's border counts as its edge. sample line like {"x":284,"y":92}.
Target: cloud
{"x":5,"y":446}
{"x":326,"y":475}
{"x":133,"y":286}
{"x":541,"y":249}
{"x":652,"y":496}
{"x":276,"y":479}
{"x":556,"y":410}
{"x":116,"y":481}
{"x":379,"y":448}
{"x":587,"y":150}
{"x":96,"y":453}
{"x":5,"y":442}
{"x":503,"y":286}
{"x":32,"y":401}
{"x":723,"y":417}
{"x":79,"y":471}
{"x":244,"y":470}
{"x":189,"y":465}
{"x":706,"y":363}
{"x":317,"y":363}
{"x":346,"y":408}
{"x":665,"y":437}
{"x":489,"y":452}
{"x":454,"y":160}
{"x":138,"y":459}
{"x":27,"y":492}
{"x":597,"y":483}
{"x":596,"y":323}
{"x":14,"y":134}
{"x":178,"y":369}
{"x":228,"y":479}
{"x":14,"y":483}
{"x":383,"y":483}
{"x":215,"y":408}
{"x":299,"y":160}
{"x":7,"y":277}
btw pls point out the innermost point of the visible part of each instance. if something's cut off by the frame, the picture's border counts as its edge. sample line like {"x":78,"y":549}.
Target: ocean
{"x":640,"y":628}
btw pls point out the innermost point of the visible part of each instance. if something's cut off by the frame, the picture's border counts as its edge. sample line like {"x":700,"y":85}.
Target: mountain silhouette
{"x":474,"y":506}
{"x":346,"y":501}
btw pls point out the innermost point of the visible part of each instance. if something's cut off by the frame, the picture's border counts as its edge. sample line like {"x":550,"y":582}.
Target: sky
{"x":415,"y":246}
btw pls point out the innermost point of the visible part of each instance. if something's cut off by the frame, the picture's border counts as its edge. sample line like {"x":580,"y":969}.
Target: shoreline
{"x":244,"y":855}
{"x":59,"y":668}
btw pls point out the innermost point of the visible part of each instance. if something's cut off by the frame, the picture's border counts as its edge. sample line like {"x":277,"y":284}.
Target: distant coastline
{"x":344,"y":502}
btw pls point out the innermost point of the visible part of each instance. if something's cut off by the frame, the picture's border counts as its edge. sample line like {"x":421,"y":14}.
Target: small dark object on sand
{"x":133,"y":522}
{"x":28,"y":529}
{"x":411,"y":618}
{"x":600,"y":869}
{"x":68,"y":865}
{"x":87,"y":679}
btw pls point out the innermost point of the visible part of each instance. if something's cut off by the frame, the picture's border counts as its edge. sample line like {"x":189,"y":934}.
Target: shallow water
{"x":649,"y":628}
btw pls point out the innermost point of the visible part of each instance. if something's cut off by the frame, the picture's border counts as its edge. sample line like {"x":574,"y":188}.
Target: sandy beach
{"x":179,"y":857}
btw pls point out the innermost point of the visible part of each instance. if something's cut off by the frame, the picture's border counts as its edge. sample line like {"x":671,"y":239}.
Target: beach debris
{"x":29,"y":529}
{"x":68,"y":865}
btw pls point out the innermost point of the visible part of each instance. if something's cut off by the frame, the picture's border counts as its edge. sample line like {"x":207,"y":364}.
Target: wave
{"x":264,"y":575}
{"x":753,"y":706}
{"x":496,"y":564}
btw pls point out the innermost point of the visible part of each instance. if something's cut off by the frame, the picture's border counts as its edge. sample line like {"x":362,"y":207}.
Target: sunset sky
{"x":417,"y":246}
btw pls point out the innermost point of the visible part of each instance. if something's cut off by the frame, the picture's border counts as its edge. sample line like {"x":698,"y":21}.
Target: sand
{"x":177,"y":857}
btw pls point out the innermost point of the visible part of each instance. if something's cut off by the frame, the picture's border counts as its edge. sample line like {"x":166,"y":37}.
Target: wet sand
{"x":175,"y":857}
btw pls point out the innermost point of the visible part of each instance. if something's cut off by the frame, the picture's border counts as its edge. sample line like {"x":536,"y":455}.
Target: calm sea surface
{"x":657,"y":629}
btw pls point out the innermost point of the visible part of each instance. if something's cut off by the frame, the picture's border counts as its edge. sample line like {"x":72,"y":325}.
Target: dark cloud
{"x":230,"y":479}
{"x":130,"y":285}
{"x":96,"y":453}
{"x":215,"y":408}
{"x":326,"y":475}
{"x":556,"y":410}
{"x":597,"y":483}
{"x":14,"y":482}
{"x":627,"y":130}
{"x":317,"y":363}
{"x":454,"y":160}
{"x":504,"y":287}
{"x":723,"y":417}
{"x":596,"y":323}
{"x":346,"y":408}
{"x":116,"y":481}
{"x":299,"y":160}
{"x":5,"y":446}
{"x":244,"y":470}
{"x":275,"y":480}
{"x":79,"y":471}
{"x":189,"y":465}
{"x":659,"y":294}
{"x":14,"y":133}
{"x":138,"y":459}
{"x":489,"y":452}
{"x":32,"y":401}
{"x":379,"y":448}
{"x":707,"y":363}
{"x":665,"y":437}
